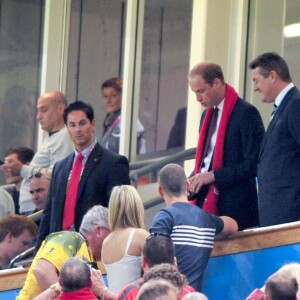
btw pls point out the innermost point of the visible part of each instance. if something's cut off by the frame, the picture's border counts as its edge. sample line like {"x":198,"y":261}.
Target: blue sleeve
{"x":219,"y":224}
{"x":162,"y":223}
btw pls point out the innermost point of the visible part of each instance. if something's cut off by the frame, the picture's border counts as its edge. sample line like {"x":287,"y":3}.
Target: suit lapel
{"x":92,"y":161}
{"x":65,"y":176}
{"x":279,"y":111}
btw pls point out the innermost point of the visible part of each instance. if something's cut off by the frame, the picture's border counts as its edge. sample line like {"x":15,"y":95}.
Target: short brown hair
{"x":16,"y":225}
{"x":209,"y":71}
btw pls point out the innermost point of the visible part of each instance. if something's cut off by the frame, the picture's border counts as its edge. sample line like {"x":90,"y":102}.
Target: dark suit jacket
{"x":279,"y":164}
{"x":177,"y":134}
{"x":236,"y":180}
{"x":103,"y":170}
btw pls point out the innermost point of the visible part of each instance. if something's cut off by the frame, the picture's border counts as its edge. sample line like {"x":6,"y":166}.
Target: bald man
{"x":56,"y":145}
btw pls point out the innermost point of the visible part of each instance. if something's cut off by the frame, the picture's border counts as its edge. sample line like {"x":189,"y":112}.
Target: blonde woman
{"x":121,"y":250}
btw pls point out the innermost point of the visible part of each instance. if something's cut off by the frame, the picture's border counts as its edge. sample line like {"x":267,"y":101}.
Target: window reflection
{"x":20,"y":39}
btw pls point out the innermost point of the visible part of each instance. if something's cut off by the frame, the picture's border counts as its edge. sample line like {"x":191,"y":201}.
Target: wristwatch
{"x":55,"y":288}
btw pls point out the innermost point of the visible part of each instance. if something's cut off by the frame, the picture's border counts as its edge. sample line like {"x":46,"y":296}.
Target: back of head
{"x":24,"y":154}
{"x":159,"y":249}
{"x":172,"y":179}
{"x":208,"y":71}
{"x":194,"y":296}
{"x":125,"y":208}
{"x":157,"y":289}
{"x":97,"y":215}
{"x":281,"y":287}
{"x":271,"y":61}
{"x":74,"y":275}
{"x":114,"y":82}
{"x":168,"y":272}
{"x":82,"y":106}
{"x":16,"y":225}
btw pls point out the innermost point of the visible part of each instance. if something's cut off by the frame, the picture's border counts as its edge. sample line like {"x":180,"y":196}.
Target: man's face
{"x":96,"y":239}
{"x":49,"y":113}
{"x":13,"y":159}
{"x":112,"y":99}
{"x":80,"y":129}
{"x":39,"y":191}
{"x":263,"y":85}
{"x":17,"y":245}
{"x":206,"y":94}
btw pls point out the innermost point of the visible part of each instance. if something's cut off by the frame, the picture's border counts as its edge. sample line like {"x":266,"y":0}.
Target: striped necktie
{"x":274,"y":110}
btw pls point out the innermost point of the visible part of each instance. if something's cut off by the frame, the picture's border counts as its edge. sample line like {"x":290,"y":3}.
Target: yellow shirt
{"x":56,"y":248}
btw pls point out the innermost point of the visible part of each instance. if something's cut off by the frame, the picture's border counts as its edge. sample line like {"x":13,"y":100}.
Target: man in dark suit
{"x":177,"y":134}
{"x":227,"y":152}
{"x":101,"y":170}
{"x":279,"y":158}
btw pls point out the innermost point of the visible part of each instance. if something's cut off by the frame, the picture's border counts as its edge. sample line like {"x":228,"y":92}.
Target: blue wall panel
{"x":235,"y":276}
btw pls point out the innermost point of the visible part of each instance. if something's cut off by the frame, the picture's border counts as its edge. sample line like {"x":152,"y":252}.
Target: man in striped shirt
{"x":191,"y":229}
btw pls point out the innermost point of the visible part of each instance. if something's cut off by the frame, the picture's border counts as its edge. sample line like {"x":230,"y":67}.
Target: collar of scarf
{"x":80,"y":294}
{"x":231,"y":97}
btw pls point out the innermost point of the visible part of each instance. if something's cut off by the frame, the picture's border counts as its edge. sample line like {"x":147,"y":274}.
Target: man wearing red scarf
{"x":223,"y":181}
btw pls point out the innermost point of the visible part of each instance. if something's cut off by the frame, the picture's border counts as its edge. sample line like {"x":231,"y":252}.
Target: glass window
{"x":96,"y":53}
{"x":96,"y":49}
{"x":20,"y":49}
{"x":292,"y":43}
{"x":165,"y":64}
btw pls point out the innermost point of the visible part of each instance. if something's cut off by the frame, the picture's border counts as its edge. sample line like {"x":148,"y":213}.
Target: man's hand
{"x":198,"y":180}
{"x":12,"y":168}
{"x":98,"y":286}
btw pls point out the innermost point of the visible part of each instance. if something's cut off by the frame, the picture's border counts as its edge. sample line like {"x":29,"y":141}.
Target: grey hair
{"x":97,"y":215}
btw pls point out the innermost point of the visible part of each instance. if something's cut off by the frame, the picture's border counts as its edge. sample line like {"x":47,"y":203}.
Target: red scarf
{"x":231,"y":97}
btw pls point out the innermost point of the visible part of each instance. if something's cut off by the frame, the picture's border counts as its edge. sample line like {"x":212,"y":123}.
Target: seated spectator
{"x":39,"y":186}
{"x":157,"y":289}
{"x":75,"y":280}
{"x":126,"y":221}
{"x":194,"y":296}
{"x":179,"y":217}
{"x":58,"y":247}
{"x":158,"y":249}
{"x":112,"y":94}
{"x":20,"y":156}
{"x":281,"y":287}
{"x":7,"y":206}
{"x":290,"y":270}
{"x":16,"y":233}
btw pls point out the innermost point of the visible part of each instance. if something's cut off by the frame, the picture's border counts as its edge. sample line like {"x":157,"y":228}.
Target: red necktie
{"x":70,"y":203}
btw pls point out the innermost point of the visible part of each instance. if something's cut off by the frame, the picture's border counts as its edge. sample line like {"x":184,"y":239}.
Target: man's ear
{"x":144,"y":262}
{"x":160,"y":190}
{"x":9,"y":237}
{"x":175,"y":261}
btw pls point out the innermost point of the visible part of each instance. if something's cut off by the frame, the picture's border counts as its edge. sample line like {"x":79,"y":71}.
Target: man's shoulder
{"x":129,"y":291}
{"x":107,"y":154}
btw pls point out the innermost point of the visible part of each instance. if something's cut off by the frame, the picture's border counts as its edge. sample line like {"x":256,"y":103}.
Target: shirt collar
{"x":220,"y":105}
{"x":86,"y":152}
{"x":282,"y":94}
